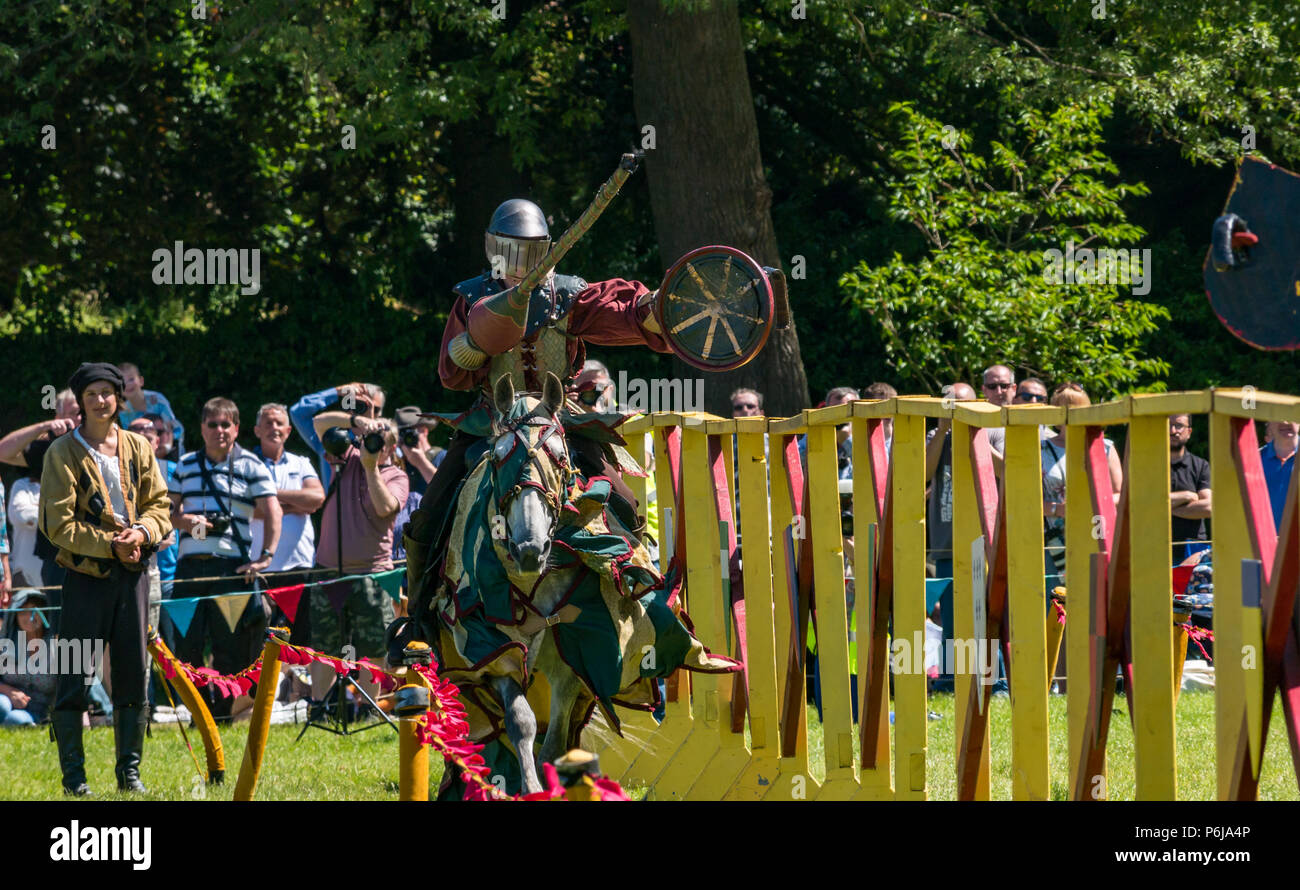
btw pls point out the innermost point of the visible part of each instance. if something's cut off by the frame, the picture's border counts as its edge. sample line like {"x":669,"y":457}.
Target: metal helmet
{"x":518,"y":234}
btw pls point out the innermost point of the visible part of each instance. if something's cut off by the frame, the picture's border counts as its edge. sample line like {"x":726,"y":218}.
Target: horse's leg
{"x":521,"y":727}
{"x":566,"y":689}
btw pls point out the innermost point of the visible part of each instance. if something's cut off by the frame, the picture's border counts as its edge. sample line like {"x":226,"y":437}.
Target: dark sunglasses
{"x":1030,"y":397}
{"x":219,"y":424}
{"x":590,"y":397}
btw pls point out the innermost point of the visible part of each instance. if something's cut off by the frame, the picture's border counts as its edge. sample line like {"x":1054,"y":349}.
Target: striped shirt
{"x":239,"y":480}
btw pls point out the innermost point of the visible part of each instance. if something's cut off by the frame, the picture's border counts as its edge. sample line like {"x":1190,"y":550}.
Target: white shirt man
{"x":298,"y":489}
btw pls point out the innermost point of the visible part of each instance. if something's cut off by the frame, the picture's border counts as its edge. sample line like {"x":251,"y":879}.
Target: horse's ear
{"x":503,"y":394}
{"x":552,"y":393}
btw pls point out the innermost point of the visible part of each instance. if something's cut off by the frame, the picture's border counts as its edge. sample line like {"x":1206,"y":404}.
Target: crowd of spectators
{"x":1190,"y":497}
{"x":245,"y":517}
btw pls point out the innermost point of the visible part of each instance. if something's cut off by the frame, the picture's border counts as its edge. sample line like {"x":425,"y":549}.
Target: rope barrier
{"x":397,"y":563}
{"x":445,"y":727}
{"x":213,"y":596}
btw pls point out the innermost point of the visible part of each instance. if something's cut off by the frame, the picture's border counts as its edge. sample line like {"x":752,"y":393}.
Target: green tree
{"x":977,"y":291}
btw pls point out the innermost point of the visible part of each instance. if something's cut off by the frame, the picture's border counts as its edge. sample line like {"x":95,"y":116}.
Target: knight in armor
{"x":494,"y":330}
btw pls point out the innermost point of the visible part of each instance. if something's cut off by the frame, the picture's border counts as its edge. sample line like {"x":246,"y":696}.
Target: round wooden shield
{"x":715,"y":308}
{"x":1257,"y":295}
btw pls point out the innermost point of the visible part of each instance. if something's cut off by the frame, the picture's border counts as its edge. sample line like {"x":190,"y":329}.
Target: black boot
{"x":72,"y":757}
{"x":129,"y":724}
{"x":417,"y":563}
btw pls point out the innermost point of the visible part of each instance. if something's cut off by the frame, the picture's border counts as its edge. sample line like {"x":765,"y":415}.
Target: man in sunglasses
{"x":594,"y":390}
{"x":214,"y":494}
{"x":746,"y":403}
{"x":1000,"y":389}
{"x":999,"y":386}
{"x":1189,"y":491}
{"x":1031,"y":391}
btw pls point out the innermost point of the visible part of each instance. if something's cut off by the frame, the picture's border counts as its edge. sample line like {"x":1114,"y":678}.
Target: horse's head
{"x":530,"y":471}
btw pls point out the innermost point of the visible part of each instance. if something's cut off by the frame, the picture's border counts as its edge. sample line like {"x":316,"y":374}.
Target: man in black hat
{"x":104,"y":505}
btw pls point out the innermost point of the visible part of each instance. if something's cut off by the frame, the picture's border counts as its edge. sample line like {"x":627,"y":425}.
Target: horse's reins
{"x":550,"y":427}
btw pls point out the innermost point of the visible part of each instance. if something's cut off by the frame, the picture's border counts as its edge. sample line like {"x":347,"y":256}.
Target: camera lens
{"x":373,"y":442}
{"x":409,"y":438}
{"x":337,"y":440}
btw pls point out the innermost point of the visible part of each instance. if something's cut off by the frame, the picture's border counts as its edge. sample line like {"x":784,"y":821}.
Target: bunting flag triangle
{"x":287,"y":598}
{"x":181,"y":613}
{"x":392,"y":583}
{"x":232,"y":607}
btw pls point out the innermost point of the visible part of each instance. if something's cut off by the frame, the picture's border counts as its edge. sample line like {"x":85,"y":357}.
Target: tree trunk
{"x":705,"y":172}
{"x":483,"y":175}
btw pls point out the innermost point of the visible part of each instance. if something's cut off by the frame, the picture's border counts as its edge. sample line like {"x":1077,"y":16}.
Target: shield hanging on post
{"x":1252,"y":270}
{"x":716,"y":308}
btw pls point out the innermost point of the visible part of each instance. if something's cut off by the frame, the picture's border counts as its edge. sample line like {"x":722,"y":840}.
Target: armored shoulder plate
{"x":550,"y":302}
{"x":474,"y":289}
{"x":547,"y":307}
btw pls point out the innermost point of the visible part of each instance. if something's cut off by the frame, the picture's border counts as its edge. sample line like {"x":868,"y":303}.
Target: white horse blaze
{"x":529,"y":520}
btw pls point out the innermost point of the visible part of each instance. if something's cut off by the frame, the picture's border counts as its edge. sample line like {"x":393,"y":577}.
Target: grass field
{"x":364,"y":766}
{"x":320,"y":767}
{"x":1195,"y":728}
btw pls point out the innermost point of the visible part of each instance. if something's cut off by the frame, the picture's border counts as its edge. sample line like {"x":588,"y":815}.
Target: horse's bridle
{"x":556,"y":447}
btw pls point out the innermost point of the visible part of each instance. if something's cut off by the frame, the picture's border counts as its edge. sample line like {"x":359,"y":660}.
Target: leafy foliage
{"x":980,"y":292}
{"x":228,"y":131}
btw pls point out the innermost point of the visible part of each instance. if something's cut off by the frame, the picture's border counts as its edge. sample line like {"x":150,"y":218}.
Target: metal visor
{"x":517,"y":256}
{"x":715,"y":308}
{"x":1259,"y":298}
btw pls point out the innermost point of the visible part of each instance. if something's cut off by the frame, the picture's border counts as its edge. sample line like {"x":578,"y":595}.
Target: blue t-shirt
{"x":1277,"y":475}
{"x":167,"y":558}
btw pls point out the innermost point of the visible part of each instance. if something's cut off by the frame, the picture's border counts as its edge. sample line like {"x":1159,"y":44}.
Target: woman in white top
{"x":24,"y":508}
{"x":1067,"y":395}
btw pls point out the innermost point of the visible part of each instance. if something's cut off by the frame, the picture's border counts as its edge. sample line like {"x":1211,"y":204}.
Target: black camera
{"x":846,"y":515}
{"x":409,"y":437}
{"x":337,"y":440}
{"x":220,"y":521}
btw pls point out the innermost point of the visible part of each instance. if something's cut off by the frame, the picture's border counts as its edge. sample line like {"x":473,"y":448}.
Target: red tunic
{"x":605,"y":314}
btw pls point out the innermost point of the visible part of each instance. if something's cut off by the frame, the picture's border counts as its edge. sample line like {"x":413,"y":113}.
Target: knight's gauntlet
{"x":650,"y":322}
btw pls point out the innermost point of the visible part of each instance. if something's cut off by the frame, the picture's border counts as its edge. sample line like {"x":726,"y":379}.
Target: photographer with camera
{"x":366,"y":399}
{"x":214,"y":493}
{"x":356,"y":538}
{"x":413,"y":442}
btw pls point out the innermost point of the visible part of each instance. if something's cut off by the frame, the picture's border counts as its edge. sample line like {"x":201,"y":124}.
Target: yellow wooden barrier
{"x":968,"y":546}
{"x":910,"y":710}
{"x":412,"y":709}
{"x":764,"y":765}
{"x":259,"y":726}
{"x":1082,"y":535}
{"x":198,"y":708}
{"x":997,"y":537}
{"x":1024,"y":511}
{"x":1152,"y":613}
